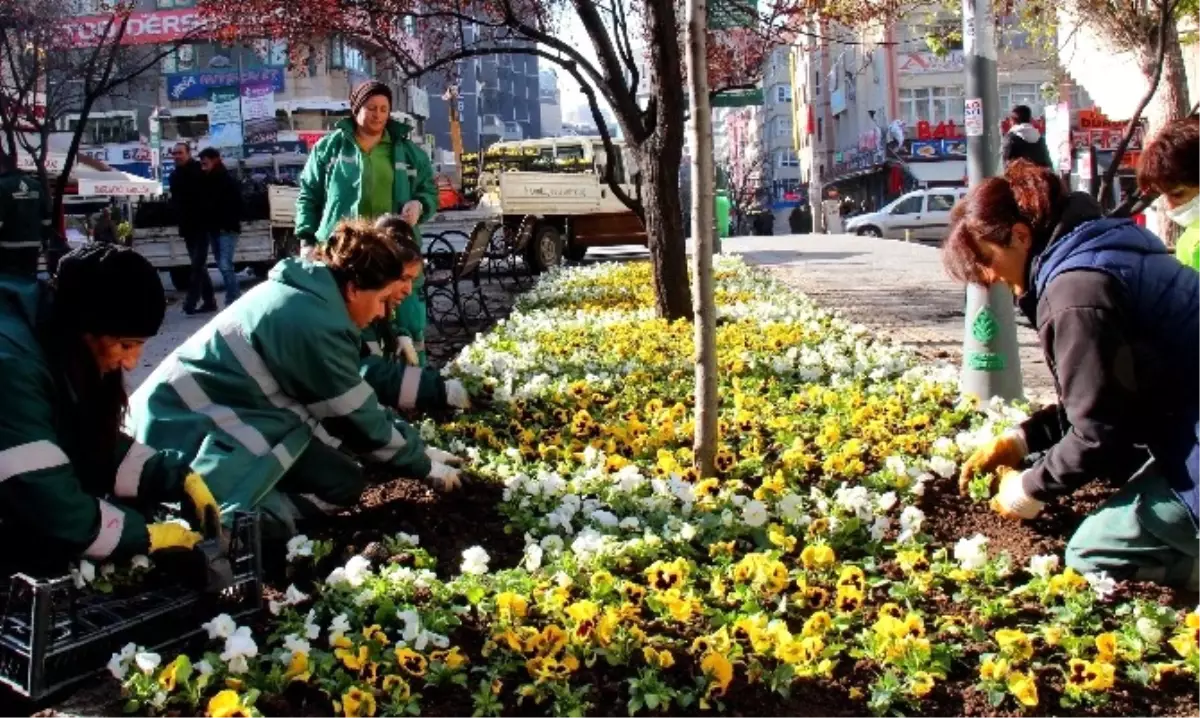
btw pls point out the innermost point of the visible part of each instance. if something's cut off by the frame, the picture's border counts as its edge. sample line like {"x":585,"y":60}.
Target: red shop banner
{"x":941,"y":131}
{"x":143,"y":28}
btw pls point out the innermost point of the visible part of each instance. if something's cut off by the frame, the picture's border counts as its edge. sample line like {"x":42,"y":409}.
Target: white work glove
{"x":438,"y":456}
{"x":1012,"y":502}
{"x":411,"y":212}
{"x":409,"y":350}
{"x":443,"y":478}
{"x":306,"y":251}
{"x":456,"y":395}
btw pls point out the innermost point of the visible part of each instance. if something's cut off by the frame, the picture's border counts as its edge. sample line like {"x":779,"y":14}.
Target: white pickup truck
{"x":556,"y":186}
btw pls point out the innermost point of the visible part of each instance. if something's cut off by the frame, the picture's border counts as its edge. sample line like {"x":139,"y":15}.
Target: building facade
{"x":549,"y":103}
{"x":878,"y":112}
{"x":778,"y":131}
{"x":262,"y":103}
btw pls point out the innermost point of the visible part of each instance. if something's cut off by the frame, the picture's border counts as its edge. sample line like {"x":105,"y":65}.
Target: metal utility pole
{"x":703,"y":231}
{"x":991,"y":360}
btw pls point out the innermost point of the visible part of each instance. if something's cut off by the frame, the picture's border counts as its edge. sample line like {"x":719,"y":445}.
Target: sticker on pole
{"x":973,"y":117}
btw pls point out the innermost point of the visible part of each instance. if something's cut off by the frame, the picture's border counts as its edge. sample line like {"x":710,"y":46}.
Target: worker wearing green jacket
{"x":368,"y":168}
{"x":245,"y":397}
{"x":71,"y":484}
{"x":24,"y":225}
{"x":402,"y":384}
{"x":1168,"y":167}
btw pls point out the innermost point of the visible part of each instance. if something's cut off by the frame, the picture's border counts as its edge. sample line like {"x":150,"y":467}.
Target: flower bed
{"x":831,"y":568}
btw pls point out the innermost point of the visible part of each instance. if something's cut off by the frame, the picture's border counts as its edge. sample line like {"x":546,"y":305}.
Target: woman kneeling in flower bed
{"x":247,"y":394}
{"x":1118,"y":321}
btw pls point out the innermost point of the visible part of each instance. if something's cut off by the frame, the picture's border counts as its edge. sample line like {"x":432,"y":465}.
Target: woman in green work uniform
{"x":367,"y":167}
{"x":71,"y":483}
{"x":267,"y":400}
{"x":1168,"y":167}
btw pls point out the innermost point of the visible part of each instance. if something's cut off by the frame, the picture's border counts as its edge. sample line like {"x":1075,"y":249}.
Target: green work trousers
{"x":1144,"y":532}
{"x":322,"y":481}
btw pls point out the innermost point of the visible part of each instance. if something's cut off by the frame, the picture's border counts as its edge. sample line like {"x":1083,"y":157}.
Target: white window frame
{"x":783,"y":94}
{"x":787,"y":158}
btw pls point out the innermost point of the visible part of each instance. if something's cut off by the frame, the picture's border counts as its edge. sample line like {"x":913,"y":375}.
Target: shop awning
{"x":943,"y":172}
{"x":95,"y":178}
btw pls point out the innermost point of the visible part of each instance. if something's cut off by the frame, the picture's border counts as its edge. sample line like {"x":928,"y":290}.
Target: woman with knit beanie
{"x":69,"y":478}
{"x":367,"y":167}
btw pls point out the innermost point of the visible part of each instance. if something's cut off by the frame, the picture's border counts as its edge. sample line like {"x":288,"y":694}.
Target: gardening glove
{"x":1007,"y":450}
{"x":438,"y":456}
{"x":411,"y":212}
{"x":409,"y":351}
{"x":443,"y":477}
{"x":199,"y":506}
{"x":457,"y":396}
{"x":1011,"y":501}
{"x":170,"y":535}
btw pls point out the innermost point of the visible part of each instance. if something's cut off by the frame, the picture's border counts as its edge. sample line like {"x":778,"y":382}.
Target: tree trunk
{"x":659,"y":158}
{"x":1169,"y":103}
{"x":703,"y":229}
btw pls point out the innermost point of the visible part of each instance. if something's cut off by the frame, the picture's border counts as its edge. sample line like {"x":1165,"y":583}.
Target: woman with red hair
{"x":1117,"y":318}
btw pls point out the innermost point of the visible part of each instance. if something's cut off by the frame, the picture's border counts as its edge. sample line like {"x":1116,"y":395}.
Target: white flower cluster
{"x":239,"y":642}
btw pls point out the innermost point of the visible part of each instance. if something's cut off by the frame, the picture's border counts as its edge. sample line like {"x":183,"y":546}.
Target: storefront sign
{"x":142,"y":28}
{"x":846,"y":162}
{"x":275,"y":148}
{"x":310,"y":138}
{"x":924,"y":63}
{"x":195,"y":85}
{"x":258,"y":113}
{"x":118,"y":154}
{"x":938,"y":149}
{"x":941,"y":131}
{"x":224,"y":117}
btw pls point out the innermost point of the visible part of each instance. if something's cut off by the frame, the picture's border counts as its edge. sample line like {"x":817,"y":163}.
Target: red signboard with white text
{"x":144,"y":28}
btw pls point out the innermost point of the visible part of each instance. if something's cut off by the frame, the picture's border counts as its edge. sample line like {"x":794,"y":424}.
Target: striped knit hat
{"x":365,"y":91}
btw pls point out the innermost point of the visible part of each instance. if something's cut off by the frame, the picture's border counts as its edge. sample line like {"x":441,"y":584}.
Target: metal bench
{"x":451,"y":307}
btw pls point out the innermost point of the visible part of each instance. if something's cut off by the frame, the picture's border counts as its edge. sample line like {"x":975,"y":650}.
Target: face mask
{"x":1187,"y":214}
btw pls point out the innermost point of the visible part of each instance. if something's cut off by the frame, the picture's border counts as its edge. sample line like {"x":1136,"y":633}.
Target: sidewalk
{"x":895,"y":288}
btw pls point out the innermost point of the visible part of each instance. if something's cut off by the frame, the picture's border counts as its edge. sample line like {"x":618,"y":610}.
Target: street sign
{"x":739,"y":98}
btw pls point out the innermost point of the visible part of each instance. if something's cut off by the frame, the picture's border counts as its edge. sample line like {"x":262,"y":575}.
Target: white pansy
{"x":533,"y":557}
{"x":118,"y":666}
{"x":1102,"y":584}
{"x":880,"y":527}
{"x":791,"y":507}
{"x":855,"y":500}
{"x":755,"y":514}
{"x":475,"y":561}
{"x":942,"y":466}
{"x":604,"y":518}
{"x":553,"y":544}
{"x":140,"y":561}
{"x":1043,"y":566}
{"x":630,"y":523}
{"x":338,"y":628}
{"x":203,"y":668}
{"x":147,"y":662}
{"x":885,"y":502}
{"x":294,"y":644}
{"x":364,"y":597}
{"x":971,"y":553}
{"x":353,"y":574}
{"x":404,"y":539}
{"x":1148,"y":630}
{"x":222,"y":627}
{"x":895,"y":464}
{"x":299,"y":546}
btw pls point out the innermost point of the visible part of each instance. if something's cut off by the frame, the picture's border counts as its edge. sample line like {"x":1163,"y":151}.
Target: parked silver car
{"x":924,"y":214}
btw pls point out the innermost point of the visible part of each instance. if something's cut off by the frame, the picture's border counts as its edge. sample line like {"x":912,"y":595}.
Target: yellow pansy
{"x":227,"y":704}
{"x":817,"y":624}
{"x":357,"y":703}
{"x":511,"y":606}
{"x":354,"y":660}
{"x":452,"y":659}
{"x":411,"y":662}
{"x":397,"y":687}
{"x":658,"y":659}
{"x":817,"y":556}
{"x":1106,"y":647}
{"x":169,"y":675}
{"x":719,"y":672}
{"x":920,"y":684}
{"x":1023,"y":687}
{"x":1014,"y":643}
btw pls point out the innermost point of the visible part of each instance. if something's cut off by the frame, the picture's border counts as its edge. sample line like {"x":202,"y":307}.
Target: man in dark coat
{"x":188,"y":190}
{"x":1023,"y":141}
{"x":224,"y":218}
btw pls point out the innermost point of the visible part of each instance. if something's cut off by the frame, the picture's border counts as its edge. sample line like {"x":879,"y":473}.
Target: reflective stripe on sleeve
{"x":20,"y":245}
{"x":196,"y":399}
{"x":34,"y":456}
{"x":256,"y":368}
{"x":112,"y":525}
{"x":409,"y":387}
{"x":345,"y":404}
{"x":393,"y":447}
{"x":129,"y":472}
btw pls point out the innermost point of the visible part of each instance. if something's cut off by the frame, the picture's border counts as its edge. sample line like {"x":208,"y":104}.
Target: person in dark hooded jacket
{"x":1023,"y":141}
{"x":1117,"y":317}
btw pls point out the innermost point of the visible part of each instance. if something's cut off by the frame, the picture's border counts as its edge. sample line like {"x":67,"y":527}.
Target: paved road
{"x":896,"y":288}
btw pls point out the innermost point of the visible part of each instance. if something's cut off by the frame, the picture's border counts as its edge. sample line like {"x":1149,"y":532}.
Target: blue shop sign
{"x":195,"y":85}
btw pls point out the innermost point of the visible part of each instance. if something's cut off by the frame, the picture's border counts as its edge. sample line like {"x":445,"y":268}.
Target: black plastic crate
{"x":54,"y":635}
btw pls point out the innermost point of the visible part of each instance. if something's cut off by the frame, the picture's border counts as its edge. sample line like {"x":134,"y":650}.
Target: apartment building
{"x":549,"y":103}
{"x":778,"y":134}
{"x":299,"y":94}
{"x":879,"y":112}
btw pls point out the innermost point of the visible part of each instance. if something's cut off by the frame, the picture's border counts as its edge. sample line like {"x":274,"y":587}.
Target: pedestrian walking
{"x":104,"y":231}
{"x":1169,"y":168}
{"x":1023,"y":141}
{"x":368,"y":167}
{"x":188,"y":186}
{"x":224,"y":218}
{"x":71,"y":482}
{"x":1117,"y":318}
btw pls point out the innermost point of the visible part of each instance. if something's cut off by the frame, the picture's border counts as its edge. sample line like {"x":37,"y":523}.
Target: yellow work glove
{"x":172,"y":535}
{"x":1005,"y":451}
{"x":200,"y":508}
{"x":1011,"y":501}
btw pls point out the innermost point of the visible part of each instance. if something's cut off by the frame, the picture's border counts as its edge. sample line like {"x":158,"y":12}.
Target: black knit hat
{"x":365,"y":91}
{"x":107,"y":290}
